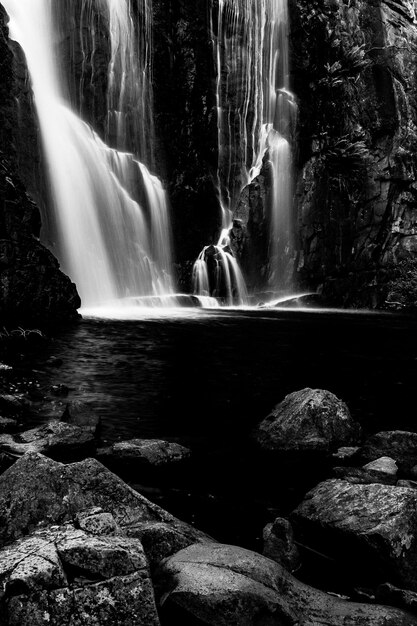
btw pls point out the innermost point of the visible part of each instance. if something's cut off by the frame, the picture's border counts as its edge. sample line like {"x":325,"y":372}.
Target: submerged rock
{"x":368,"y":527}
{"x":279,"y":544}
{"x":226,"y":585}
{"x":80,"y":414}
{"x":7,"y":425}
{"x":310,"y":420}
{"x":142,"y":453}
{"x":55,"y":439}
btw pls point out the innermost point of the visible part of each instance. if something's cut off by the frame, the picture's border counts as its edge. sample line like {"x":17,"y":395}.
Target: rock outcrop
{"x":354,"y":76}
{"x":369,"y":527}
{"x":307,"y":421}
{"x":228,"y":586}
{"x":39,"y":490}
{"x":32,"y":287}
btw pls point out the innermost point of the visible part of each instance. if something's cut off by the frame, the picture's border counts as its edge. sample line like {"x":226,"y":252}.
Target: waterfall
{"x":111,"y":211}
{"x":256,"y":115}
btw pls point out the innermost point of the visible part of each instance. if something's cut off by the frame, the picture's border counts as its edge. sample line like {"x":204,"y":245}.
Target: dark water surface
{"x":213,"y":374}
{"x":206,"y":378}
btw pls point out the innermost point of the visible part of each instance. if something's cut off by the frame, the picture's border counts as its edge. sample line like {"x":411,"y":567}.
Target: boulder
{"x":310,"y":420}
{"x":80,"y":414}
{"x":362,"y":476}
{"x":226,"y":585}
{"x":37,"y":490}
{"x":346,"y":454}
{"x":55,"y":439}
{"x":144,"y":453}
{"x":279,"y":544}
{"x":397,"y":444}
{"x":61,"y":575}
{"x":385,"y":466}
{"x":370,"y":528}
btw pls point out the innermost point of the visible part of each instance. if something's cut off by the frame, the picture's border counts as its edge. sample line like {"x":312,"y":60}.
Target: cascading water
{"x":111,"y":212}
{"x":256,"y":114}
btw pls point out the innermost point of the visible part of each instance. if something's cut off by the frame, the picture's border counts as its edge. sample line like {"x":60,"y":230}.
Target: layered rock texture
{"x":354,"y":66}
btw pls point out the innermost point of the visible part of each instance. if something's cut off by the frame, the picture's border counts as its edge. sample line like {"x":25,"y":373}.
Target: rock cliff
{"x":31,"y":285}
{"x":353,"y":74}
{"x":354,"y":66}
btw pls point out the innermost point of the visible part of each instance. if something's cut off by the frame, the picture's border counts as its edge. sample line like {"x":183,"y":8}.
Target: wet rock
{"x":97,"y":522}
{"x":279,"y":544}
{"x":410,"y":484}
{"x":399,"y":445}
{"x":59,"y":390}
{"x":385,"y":466}
{"x":31,"y":564}
{"x":32,"y":287}
{"x":368,"y":527}
{"x":97,"y":558}
{"x":225,"y":585}
{"x":80,"y":414}
{"x":55,"y":439}
{"x":345,"y":454}
{"x":361,"y":476}
{"x":37,"y":490}
{"x":139,"y":453}
{"x":62,"y":575}
{"x":393,"y":596}
{"x":310,"y":420}
{"x":120,"y":601}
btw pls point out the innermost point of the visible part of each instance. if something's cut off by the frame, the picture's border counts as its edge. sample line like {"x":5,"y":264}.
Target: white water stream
{"x":110,"y":244}
{"x":256,"y":112}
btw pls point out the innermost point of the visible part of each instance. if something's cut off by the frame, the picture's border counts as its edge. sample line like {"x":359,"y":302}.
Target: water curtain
{"x":256,"y":114}
{"x":111,"y":212}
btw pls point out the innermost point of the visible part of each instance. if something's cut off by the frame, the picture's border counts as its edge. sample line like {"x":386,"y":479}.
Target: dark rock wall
{"x":186,"y":119}
{"x":354,"y":72}
{"x":31,"y":285}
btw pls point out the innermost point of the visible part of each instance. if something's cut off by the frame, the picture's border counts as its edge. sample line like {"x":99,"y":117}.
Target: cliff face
{"x":31,"y":285}
{"x":354,"y":77}
{"x":186,"y":119}
{"x":354,"y":67}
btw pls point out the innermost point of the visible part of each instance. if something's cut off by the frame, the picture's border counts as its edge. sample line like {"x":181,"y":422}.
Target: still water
{"x":216,"y":373}
{"x":206,"y":377}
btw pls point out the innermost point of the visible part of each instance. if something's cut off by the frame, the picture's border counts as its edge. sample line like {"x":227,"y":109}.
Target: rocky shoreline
{"x":80,"y":546}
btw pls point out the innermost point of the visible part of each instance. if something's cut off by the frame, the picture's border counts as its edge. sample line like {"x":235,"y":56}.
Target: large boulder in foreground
{"x":310,"y":420}
{"x":64,"y":575}
{"x":37,"y":490}
{"x":369,"y":527}
{"x":225,"y":585}
{"x":397,"y":444}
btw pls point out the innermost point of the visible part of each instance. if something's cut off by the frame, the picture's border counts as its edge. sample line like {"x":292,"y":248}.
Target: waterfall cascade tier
{"x":256,"y":116}
{"x":111,"y":212}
